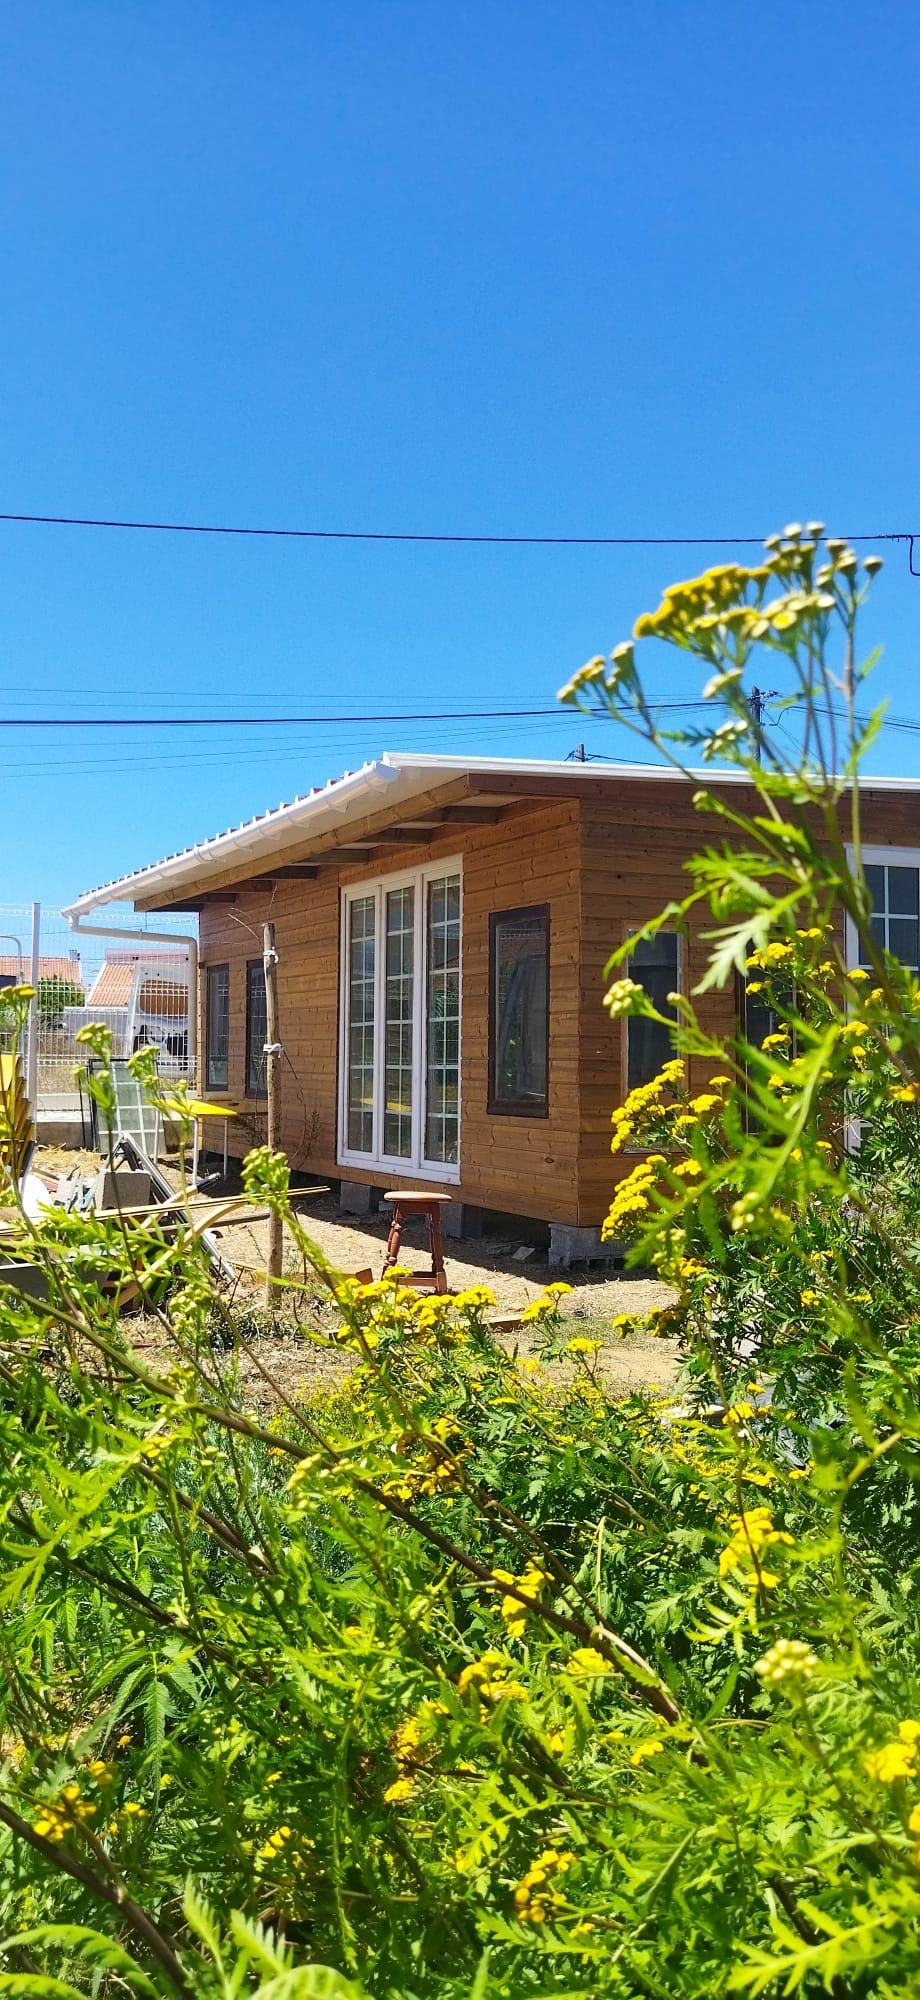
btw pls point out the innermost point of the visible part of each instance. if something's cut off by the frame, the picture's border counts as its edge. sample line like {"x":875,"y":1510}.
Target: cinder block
{"x":569,"y":1245}
{"x":27,"y":1279}
{"x":359,"y":1198}
{"x":127,"y":1189}
{"x":63,"y":1129}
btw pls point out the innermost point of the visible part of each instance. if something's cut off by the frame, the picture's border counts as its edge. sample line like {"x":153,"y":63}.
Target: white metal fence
{"x":139,"y":990}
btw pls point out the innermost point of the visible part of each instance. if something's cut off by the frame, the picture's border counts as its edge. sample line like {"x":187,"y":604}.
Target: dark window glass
{"x":904,"y":892}
{"x":218,"y":1025}
{"x":256,"y":1026}
{"x":895,"y":919}
{"x":875,"y":883}
{"x":653,"y":965}
{"x":519,"y":1012}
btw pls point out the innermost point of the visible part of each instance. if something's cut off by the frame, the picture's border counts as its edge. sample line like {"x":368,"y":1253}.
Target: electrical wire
{"x":293,"y":721}
{"x":406,"y":535}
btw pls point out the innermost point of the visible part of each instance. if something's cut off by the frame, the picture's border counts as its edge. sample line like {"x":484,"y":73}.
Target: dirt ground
{"x":356,"y":1243}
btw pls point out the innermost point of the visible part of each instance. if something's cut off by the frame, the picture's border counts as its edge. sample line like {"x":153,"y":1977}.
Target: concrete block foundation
{"x":458,"y":1219}
{"x":569,"y":1245}
{"x":359,"y":1198}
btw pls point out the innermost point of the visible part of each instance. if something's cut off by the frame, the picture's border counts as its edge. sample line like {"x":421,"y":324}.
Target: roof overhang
{"x":387,"y":787}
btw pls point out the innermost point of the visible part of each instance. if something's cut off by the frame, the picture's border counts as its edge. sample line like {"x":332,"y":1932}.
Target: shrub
{"x":441,"y":1685}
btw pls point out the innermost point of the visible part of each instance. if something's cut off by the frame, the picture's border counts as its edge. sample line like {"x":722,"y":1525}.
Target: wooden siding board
{"x":522,"y":1165}
{"x":604,"y":861}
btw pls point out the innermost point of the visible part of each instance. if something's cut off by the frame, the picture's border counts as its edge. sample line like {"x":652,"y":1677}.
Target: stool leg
{"x":394,"y":1239}
{"x":437,"y":1249}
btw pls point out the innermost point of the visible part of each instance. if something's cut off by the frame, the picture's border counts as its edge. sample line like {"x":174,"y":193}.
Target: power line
{"x":556,"y":713}
{"x":406,"y":535}
{"x":266,"y":721}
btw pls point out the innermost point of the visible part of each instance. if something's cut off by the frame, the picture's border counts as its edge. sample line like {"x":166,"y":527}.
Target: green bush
{"x":440,"y":1684}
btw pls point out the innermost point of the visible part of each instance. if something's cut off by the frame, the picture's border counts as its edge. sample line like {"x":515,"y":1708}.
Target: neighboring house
{"x":442,"y":925}
{"x":142,"y":995}
{"x":17,"y":971}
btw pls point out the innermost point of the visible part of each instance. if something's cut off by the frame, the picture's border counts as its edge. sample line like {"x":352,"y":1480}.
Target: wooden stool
{"x":407,"y":1202}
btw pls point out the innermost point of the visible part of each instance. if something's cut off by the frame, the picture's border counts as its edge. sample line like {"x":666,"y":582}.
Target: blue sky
{"x":598,"y":269}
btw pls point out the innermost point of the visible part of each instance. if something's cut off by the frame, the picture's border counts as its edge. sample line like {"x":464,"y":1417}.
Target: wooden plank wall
{"x":633,"y":845}
{"x":526,"y":1166}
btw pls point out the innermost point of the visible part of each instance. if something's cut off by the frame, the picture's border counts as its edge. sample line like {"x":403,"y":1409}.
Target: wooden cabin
{"x":442,"y":927}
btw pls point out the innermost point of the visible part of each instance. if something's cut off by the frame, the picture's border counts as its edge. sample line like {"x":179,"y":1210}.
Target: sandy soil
{"x":354,"y":1243}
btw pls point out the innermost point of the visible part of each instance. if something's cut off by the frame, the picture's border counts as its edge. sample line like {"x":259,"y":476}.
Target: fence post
{"x":32,"y":1057}
{"x":273,"y":1263}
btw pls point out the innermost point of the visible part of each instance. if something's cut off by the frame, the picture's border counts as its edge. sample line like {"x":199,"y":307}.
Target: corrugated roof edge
{"x":335,"y":799}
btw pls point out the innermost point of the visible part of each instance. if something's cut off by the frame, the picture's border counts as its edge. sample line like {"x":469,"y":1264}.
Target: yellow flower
{"x":652,"y":1747}
{"x":474,"y":1298}
{"x":400,"y":1790}
{"x":810,"y":1298}
{"x":535,"y":1893}
{"x":752,"y":1533}
{"x":893,"y":1761}
{"x":537,"y":1309}
{"x":586,"y":1664}
{"x":580,"y":1345}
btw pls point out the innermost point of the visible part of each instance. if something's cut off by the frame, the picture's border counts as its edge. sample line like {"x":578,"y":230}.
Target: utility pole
{"x":272,"y":1052}
{"x":757,"y":702}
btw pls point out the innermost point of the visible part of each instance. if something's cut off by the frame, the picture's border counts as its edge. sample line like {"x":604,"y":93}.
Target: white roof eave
{"x":402,"y":775}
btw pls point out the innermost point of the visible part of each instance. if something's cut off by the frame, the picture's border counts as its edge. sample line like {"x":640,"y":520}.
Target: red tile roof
{"x":115,"y":978}
{"x":48,"y":968}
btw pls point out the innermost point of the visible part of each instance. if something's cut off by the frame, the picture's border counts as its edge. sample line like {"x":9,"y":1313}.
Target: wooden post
{"x":273,"y":1262}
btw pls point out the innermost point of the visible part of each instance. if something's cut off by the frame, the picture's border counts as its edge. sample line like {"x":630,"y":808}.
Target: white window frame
{"x":380,"y":886}
{"x":875,"y":857}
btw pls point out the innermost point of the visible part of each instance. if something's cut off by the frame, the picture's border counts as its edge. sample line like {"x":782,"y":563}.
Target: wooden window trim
{"x":257,"y":1096}
{"x":506,"y":1107}
{"x":222,"y":965}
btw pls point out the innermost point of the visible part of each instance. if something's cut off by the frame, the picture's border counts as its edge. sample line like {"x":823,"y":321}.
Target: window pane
{"x":519,"y":973}
{"x":442,"y":1006}
{"x":360,"y":1050}
{"x":653,"y":965}
{"x":397,"y":1082}
{"x":875,"y":883}
{"x":902,"y":939}
{"x":218,"y":1025}
{"x":903,"y":891}
{"x":255,"y":1030}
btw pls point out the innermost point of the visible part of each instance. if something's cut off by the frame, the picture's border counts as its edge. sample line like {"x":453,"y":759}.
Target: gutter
{"x":334,"y":800}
